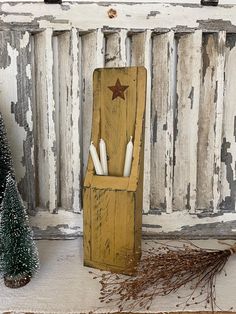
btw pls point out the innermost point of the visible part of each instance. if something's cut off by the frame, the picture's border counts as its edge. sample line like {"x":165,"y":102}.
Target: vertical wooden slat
{"x":56,"y":95}
{"x":186,"y":121}
{"x":16,"y":107}
{"x":46,"y":130}
{"x":69,"y":86}
{"x":115,"y":55}
{"x":162,"y":122}
{"x":103,"y":205}
{"x":210,"y":122}
{"x":141,"y":56}
{"x":92,"y":57}
{"x":228,"y":150}
{"x":123,"y":242}
{"x":125,"y":112}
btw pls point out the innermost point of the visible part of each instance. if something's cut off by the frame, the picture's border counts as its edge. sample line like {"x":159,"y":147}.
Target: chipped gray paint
{"x":226,"y":230}
{"x":153,"y":14}
{"x":92,"y":23}
{"x":90,"y":16}
{"x":21,"y":107}
{"x":59,"y":232}
{"x":226,"y":158}
{"x":191,"y":96}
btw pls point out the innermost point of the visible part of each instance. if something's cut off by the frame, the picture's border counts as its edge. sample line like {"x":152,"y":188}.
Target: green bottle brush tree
{"x":19,"y":258}
{"x":6,"y":165}
{"x":18,"y":253}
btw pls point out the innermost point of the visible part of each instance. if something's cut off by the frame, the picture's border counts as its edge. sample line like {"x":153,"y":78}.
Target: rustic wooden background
{"x":47,"y":57}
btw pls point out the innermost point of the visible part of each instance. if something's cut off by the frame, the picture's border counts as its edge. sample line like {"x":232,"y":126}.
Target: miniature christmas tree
{"x":5,"y":159}
{"x":19,"y":260}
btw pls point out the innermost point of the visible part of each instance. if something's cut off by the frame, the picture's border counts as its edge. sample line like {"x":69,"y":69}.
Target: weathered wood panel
{"x":186,"y":121}
{"x":92,"y":58}
{"x":69,"y":120}
{"x":210,"y":122}
{"x":16,"y":107}
{"x":115,"y":52}
{"x":103,"y":205}
{"x":46,"y":155}
{"x":125,"y":112}
{"x":113,"y":206}
{"x":228,"y":149}
{"x":141,"y":46}
{"x":92,"y":20}
{"x":162,"y":123}
{"x":91,"y":16}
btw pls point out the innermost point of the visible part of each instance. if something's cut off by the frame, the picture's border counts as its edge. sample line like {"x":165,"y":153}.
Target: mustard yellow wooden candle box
{"x":113,"y":204}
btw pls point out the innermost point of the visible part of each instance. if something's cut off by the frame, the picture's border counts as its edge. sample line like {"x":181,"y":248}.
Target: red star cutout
{"x":118,"y":90}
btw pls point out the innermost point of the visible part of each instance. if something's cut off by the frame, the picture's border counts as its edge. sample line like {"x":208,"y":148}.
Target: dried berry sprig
{"x":163,"y":271}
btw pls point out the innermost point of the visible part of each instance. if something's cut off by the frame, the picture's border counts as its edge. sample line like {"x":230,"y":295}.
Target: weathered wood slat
{"x":210,"y":122}
{"x":141,"y":56}
{"x":114,"y":206}
{"x":186,"y":121}
{"x":139,"y":16}
{"x":124,"y":227}
{"x":115,"y":53}
{"x":92,"y":57}
{"x":69,"y":102}
{"x":46,"y":130}
{"x":16,"y":107}
{"x":125,"y":113}
{"x":162,"y":122}
{"x":103,"y":208}
{"x":228,"y":149}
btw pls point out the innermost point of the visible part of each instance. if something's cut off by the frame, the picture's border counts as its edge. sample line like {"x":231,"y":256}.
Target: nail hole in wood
{"x":112,"y":13}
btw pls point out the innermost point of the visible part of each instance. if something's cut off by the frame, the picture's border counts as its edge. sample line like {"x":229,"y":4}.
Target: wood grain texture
{"x":228,"y":148}
{"x":16,"y":105}
{"x":137,"y":171}
{"x":210,"y":122}
{"x":186,"y":121}
{"x":116,"y":131}
{"x":92,"y":57}
{"x":87,"y":224}
{"x":141,"y":56}
{"x":115,"y":53}
{"x":89,"y":16}
{"x":113,"y":204}
{"x":162,"y":122}
{"x":103,"y":226}
{"x":46,"y":155}
{"x":70,"y":120}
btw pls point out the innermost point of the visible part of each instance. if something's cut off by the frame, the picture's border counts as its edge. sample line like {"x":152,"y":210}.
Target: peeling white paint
{"x":28,"y":71}
{"x":168,"y":15}
{"x":29,"y":116}
{"x":64,"y":2}
{"x":228,"y":135}
{"x":9,"y":94}
{"x":44,"y":219}
{"x":134,"y":24}
{"x":25,"y":40}
{"x":177,"y":220}
{"x":186,"y":121}
{"x":163,"y":68}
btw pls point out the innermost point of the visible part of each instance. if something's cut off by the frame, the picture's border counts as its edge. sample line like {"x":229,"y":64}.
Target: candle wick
{"x":91,"y":142}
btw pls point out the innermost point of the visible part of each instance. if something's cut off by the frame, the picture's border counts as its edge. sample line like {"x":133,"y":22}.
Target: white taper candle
{"x":95,"y":158}
{"x":103,"y":156}
{"x":128,"y":158}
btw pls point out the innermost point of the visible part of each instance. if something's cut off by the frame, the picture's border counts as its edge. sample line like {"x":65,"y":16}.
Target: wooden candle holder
{"x":113,"y":204}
